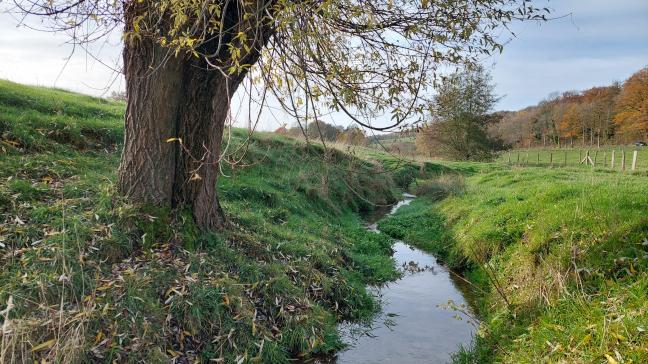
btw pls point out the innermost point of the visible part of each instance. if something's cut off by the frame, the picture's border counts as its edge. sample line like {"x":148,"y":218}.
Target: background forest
{"x":615,"y":114}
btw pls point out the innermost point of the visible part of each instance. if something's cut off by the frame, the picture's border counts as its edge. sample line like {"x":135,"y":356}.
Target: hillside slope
{"x":560,"y":257}
{"x":87,"y":276}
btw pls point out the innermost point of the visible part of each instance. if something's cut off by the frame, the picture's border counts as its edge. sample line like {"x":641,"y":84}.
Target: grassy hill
{"x":560,"y":257}
{"x":87,"y":276}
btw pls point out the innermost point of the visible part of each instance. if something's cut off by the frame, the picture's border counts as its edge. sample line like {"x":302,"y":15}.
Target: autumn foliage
{"x":614,"y":114}
{"x":632,"y":106}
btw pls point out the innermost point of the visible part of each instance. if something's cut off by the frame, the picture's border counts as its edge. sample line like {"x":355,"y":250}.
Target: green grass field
{"x":558,"y":256}
{"x":602,"y":157}
{"x":566,"y":248}
{"x":87,"y":276}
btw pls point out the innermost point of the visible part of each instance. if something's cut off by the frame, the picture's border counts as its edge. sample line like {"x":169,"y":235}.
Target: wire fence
{"x":619,"y":158}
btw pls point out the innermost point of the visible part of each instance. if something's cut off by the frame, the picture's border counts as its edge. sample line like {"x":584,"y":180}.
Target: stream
{"x":425,"y":316}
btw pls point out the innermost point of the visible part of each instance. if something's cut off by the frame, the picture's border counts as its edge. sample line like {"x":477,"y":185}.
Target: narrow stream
{"x":416,"y":324}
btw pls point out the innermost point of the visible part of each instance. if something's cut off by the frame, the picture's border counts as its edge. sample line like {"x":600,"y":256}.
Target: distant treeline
{"x":615,"y":114}
{"x":324,"y":131}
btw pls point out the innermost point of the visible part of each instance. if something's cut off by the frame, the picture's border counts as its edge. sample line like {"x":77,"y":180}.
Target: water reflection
{"x":425,"y":316}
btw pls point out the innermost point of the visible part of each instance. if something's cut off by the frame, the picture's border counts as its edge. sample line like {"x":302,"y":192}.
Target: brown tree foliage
{"x":632,"y":107}
{"x":614,"y":114}
{"x":353,"y":136}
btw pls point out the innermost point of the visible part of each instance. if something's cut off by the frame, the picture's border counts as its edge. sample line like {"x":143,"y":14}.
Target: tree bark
{"x":175,"y":97}
{"x":201,"y":123}
{"x":153,"y":88}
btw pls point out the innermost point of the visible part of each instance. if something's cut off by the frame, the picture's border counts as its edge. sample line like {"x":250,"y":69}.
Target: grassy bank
{"x":560,"y":255}
{"x":87,"y":276}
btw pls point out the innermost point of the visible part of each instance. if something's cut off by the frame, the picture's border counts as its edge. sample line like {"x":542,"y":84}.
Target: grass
{"x":87,"y":276}
{"x":566,"y":248}
{"x":559,"y":254}
{"x":571,"y":157}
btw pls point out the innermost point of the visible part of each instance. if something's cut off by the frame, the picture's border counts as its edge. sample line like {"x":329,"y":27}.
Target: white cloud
{"x":601,"y":42}
{"x":41,"y":58}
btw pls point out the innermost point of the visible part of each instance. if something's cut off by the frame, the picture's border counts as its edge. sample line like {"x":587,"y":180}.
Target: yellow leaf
{"x":174,"y":140}
{"x":98,"y":338}
{"x":42,"y":346}
{"x":610,"y":359}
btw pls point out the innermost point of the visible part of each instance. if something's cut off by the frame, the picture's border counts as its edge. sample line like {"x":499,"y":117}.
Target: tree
{"x":631,"y":116}
{"x":462,"y":112}
{"x":353,"y":136}
{"x":184,"y":60}
{"x":316,"y":130}
{"x":569,"y":123}
{"x":513,"y":128}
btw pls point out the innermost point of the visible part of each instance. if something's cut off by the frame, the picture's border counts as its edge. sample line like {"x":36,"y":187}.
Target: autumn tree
{"x":462,"y":111}
{"x":353,"y":135}
{"x":184,"y":59}
{"x":599,"y":107}
{"x":317,"y":130}
{"x":631,"y":116}
{"x":513,"y":127}
{"x":569,"y":121}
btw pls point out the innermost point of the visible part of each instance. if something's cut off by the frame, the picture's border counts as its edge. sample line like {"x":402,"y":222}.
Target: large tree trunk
{"x":175,"y":98}
{"x":179,"y":97}
{"x":201,"y":123}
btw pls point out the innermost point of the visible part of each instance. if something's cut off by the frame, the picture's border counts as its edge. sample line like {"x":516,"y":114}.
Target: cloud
{"x":599,"y":42}
{"x":41,"y":58}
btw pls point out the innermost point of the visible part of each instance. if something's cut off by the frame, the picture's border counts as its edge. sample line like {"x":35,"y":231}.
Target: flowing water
{"x":425,"y":317}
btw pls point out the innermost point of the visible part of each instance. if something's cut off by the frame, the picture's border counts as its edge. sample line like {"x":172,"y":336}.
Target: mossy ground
{"x":87,"y":276}
{"x":567,"y":248}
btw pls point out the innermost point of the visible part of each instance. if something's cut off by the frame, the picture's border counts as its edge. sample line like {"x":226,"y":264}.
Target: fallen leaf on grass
{"x":45,"y":345}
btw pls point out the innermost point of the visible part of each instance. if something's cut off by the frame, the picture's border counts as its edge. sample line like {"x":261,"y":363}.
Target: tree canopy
{"x":185,"y":59}
{"x":612,"y":114}
{"x":462,"y":112}
{"x":632,"y":106}
{"x":359,"y":57}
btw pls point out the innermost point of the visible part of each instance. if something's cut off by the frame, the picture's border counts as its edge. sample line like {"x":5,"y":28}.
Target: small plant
{"x":441,"y":187}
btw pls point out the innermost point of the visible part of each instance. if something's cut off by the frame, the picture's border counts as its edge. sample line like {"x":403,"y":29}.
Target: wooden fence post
{"x":509,"y":157}
{"x":604,"y":159}
{"x":551,"y":159}
{"x":538,"y":161}
{"x":622,"y":159}
{"x":634,"y":160}
{"x":518,"y":159}
{"x":565,"y":161}
{"x":595,"y":158}
{"x":612,"y":160}
{"x":587,"y":160}
{"x":526,"y":159}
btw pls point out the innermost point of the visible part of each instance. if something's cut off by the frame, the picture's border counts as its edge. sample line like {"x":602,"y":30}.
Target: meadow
{"x":559,"y":256}
{"x":88,"y":276}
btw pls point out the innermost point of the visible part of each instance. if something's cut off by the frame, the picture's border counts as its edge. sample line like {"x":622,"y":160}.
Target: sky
{"x":595,"y":43}
{"x":591,"y":43}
